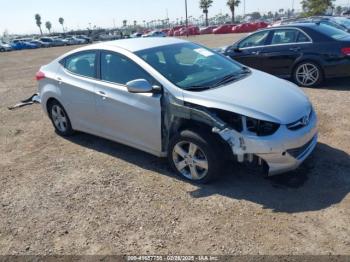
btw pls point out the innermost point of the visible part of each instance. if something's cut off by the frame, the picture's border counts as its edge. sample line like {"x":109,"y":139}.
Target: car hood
{"x":259,"y":95}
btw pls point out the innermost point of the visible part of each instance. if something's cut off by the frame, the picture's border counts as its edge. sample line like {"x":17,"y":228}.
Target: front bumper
{"x":282,"y":162}
{"x":284,"y":151}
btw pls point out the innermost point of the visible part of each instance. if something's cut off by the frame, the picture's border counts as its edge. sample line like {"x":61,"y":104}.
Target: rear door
{"x":284,"y":48}
{"x":249,"y":50}
{"x":76,"y":79}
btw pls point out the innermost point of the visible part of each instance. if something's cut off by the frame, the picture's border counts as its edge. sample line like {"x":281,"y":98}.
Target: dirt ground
{"x":87,"y":195}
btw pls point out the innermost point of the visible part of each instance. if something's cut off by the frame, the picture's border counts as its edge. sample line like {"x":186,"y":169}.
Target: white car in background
{"x":155,"y":34}
{"x":5,"y":47}
{"x":174,"y":98}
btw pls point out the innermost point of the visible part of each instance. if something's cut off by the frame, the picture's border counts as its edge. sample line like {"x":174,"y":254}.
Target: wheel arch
{"x":317,"y":63}
{"x":49,"y":101}
{"x":181,"y":124}
{"x":311,"y":59}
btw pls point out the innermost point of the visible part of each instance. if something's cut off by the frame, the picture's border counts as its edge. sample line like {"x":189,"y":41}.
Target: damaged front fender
{"x":273,"y":150}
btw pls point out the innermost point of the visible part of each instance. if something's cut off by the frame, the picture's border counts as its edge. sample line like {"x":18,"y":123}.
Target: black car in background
{"x":306,"y":52}
{"x":340,"y":22}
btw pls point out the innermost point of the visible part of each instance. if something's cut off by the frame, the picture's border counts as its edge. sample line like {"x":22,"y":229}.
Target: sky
{"x":18,"y":16}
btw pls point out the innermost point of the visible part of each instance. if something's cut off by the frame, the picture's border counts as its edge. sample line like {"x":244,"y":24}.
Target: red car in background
{"x":223,"y":29}
{"x":249,"y":27}
{"x":183,"y":31}
{"x":207,"y":30}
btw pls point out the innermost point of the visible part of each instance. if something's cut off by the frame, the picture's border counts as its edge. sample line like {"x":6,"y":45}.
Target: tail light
{"x":346,"y":51}
{"x":39,"y":76}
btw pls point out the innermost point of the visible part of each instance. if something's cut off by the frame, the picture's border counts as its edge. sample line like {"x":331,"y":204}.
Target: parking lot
{"x":87,"y":195}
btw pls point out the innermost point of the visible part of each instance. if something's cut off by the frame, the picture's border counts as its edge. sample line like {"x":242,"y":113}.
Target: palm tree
{"x":204,"y":5}
{"x":61,"y":21}
{"x":232,"y":4}
{"x":38,"y":22}
{"x":48,"y":26}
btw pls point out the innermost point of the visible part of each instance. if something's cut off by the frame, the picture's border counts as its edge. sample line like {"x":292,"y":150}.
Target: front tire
{"x":195,"y":157}
{"x":308,"y":74}
{"x":60,"y":119}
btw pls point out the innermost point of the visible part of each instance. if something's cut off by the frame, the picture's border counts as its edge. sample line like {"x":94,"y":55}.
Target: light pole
{"x":243,"y":9}
{"x":186,"y":18}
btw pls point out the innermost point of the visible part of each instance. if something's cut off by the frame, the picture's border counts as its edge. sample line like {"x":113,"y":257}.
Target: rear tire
{"x":308,"y":74}
{"x":60,"y":119}
{"x":195,"y":156}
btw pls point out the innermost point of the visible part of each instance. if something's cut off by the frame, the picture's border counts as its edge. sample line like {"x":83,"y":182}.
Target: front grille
{"x":299,"y":152}
{"x":299,"y":124}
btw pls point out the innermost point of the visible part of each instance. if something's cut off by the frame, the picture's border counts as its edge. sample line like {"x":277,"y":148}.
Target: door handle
{"x":59,"y":80}
{"x":102,"y":94}
{"x":295,"y":49}
{"x":256,"y":53}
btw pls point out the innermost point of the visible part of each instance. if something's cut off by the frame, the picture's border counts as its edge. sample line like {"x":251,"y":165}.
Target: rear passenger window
{"x":121,"y":70}
{"x":82,"y":64}
{"x":284,"y":36}
{"x":302,"y":38}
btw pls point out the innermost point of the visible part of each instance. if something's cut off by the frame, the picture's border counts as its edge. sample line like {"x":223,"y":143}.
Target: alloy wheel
{"x":190,"y":160}
{"x":59,"y":118}
{"x":307,"y":74}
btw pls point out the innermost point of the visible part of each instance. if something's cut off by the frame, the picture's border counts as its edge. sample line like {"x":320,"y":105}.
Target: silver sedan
{"x":174,"y":98}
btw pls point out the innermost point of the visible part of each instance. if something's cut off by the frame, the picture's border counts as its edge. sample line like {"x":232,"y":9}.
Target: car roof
{"x":301,"y":25}
{"x":137,"y":44}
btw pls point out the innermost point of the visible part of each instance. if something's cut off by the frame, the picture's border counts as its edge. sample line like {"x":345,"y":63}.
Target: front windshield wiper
{"x":222,"y":81}
{"x":226,"y":79}
{"x":231,"y":77}
{"x":197,"y":88}
{"x":245,"y":70}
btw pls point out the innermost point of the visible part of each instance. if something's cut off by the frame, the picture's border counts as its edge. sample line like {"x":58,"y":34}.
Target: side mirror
{"x":139,"y":86}
{"x":236,"y":49}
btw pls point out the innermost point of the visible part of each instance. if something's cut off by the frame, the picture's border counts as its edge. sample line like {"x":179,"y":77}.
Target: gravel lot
{"x":87,"y":195}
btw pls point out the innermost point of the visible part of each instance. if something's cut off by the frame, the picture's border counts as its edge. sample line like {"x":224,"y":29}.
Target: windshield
{"x":331,"y":31}
{"x":190,"y":66}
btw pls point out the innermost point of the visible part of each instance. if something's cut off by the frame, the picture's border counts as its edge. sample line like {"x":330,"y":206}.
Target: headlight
{"x":260,"y":127}
{"x":237,"y":122}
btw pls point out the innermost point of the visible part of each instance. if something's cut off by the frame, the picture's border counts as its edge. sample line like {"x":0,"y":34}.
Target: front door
{"x":133,"y":119}
{"x":249,"y":50}
{"x":251,"y":57}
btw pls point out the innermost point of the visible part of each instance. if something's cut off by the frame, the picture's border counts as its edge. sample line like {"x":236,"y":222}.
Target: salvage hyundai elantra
{"x":176,"y":99}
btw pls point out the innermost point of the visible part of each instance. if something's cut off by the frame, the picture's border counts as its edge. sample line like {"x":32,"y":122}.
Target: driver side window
{"x":257,"y":39}
{"x":118,"y":69}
